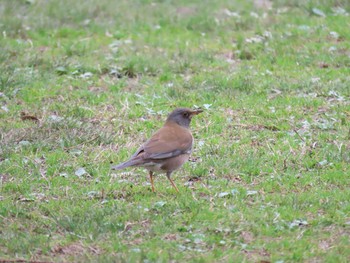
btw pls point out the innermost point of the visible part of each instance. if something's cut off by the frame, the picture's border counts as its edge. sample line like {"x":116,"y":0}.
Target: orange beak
{"x":196,"y":112}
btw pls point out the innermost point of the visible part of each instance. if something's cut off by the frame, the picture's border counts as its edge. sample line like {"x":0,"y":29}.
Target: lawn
{"x":84,"y":83}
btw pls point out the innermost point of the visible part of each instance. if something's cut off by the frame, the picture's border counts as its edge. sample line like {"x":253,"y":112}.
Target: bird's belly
{"x":166,"y":165}
{"x":153,"y":166}
{"x":174,"y":163}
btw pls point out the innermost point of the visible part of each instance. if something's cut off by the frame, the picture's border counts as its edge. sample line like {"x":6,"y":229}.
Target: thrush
{"x":168,"y":149}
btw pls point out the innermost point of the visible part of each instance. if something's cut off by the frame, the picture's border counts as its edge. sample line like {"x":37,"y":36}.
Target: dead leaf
{"x":323,"y":65}
{"x":26,"y":117}
{"x":171,"y":237}
{"x":318,"y":12}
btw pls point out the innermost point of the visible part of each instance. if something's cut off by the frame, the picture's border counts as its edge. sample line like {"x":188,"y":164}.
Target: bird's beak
{"x":196,"y":112}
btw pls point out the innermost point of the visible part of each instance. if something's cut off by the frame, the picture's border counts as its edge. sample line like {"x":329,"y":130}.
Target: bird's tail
{"x":124,"y":165}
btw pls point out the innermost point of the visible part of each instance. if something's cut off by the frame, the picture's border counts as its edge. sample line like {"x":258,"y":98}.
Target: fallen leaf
{"x":206,"y":106}
{"x":80,"y":172}
{"x":298,"y":223}
{"x":55,"y":118}
{"x":25,"y":117}
{"x":223,"y":194}
{"x":4,"y":108}
{"x":86,"y":75}
{"x":75,"y":152}
{"x":24,"y":143}
{"x":92,"y":194}
{"x":339,"y":11}
{"x":323,"y":65}
{"x":334,"y":34}
{"x":252,"y":192}
{"x":61,"y":70}
{"x":318,"y":12}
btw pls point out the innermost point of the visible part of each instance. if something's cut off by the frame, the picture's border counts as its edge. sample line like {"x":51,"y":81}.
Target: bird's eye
{"x":185,"y":114}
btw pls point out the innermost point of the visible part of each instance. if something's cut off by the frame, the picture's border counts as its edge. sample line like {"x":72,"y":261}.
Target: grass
{"x":269,"y":176}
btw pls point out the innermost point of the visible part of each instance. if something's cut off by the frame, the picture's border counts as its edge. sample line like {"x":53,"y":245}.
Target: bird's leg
{"x":151,"y":177}
{"x":171,"y":181}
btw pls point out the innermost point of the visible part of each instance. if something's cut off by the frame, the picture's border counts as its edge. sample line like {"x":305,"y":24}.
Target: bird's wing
{"x":169,"y":141}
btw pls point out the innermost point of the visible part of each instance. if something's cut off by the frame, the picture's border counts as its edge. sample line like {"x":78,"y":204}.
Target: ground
{"x":84,"y":83}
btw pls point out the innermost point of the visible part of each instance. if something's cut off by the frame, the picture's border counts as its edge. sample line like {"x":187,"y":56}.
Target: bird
{"x":167,"y":149}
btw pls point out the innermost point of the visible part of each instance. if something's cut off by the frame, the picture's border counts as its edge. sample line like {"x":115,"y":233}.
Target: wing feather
{"x":167,"y":142}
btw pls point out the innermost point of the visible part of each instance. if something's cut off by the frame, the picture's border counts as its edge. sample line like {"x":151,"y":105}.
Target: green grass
{"x":270,"y":177}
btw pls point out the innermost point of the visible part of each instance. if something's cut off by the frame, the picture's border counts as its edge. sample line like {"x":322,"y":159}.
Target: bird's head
{"x":183,"y":116}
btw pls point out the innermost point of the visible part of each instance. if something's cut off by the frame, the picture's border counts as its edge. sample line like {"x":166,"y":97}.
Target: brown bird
{"x":168,"y":149}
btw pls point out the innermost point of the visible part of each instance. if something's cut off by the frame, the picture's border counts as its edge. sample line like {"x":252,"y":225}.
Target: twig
{"x":297,"y":133}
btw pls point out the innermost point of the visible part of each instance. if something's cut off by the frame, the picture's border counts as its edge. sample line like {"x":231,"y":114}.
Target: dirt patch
{"x":76,"y":249}
{"x":186,"y":11}
{"x":171,"y":237}
{"x":230,"y":58}
{"x":247,"y":237}
{"x":263,"y":4}
{"x":98,"y":89}
{"x":144,"y":224}
{"x":324,"y":245}
{"x":4,"y":178}
{"x":257,"y":255}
